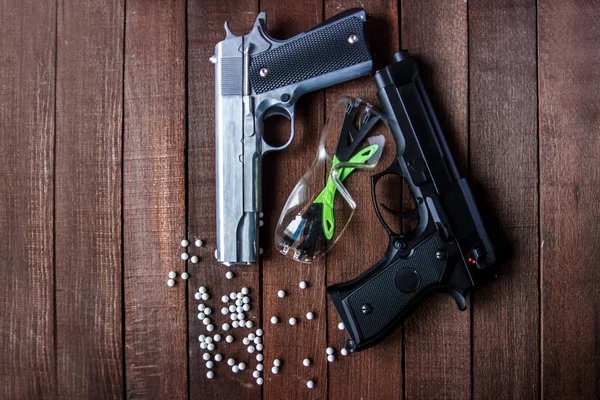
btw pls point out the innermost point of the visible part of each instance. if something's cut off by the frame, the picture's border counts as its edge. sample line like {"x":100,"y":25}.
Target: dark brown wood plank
{"x":503,"y":155}
{"x":89,"y":82}
{"x":27,"y":103}
{"x":376,"y":372}
{"x":205,"y":30}
{"x":438,"y":335}
{"x":154,"y":199}
{"x":307,"y":339}
{"x":569,"y":101}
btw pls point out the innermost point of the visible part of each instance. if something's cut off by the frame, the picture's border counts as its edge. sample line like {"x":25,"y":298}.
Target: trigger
{"x":459,"y":298}
{"x":410,"y":215}
{"x":275,"y":111}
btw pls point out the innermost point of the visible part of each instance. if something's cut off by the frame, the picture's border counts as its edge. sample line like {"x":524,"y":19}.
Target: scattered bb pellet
{"x":232,"y":295}
{"x":185,"y":256}
{"x":232,"y":308}
{"x":277,"y":362}
{"x":217,"y":338}
{"x":246,"y":300}
{"x":242,"y":366}
{"x":184,"y":243}
{"x":210,"y":327}
{"x":274,"y":320}
{"x":231,"y":362}
{"x":245,"y":291}
{"x":239,"y":295}
{"x":341,"y":326}
{"x":201,"y":316}
{"x":259,"y":347}
{"x":172,"y":274}
{"x":229,"y":275}
{"x":256,"y":374}
{"x":201,"y":307}
{"x":209,"y":364}
{"x":259,"y":367}
{"x":306,"y":362}
{"x":210,"y":374}
{"x":251,"y":349}
{"x":259,"y":381}
{"x":202,"y":338}
{"x":224,"y":311}
{"x":343,"y":351}
{"x":275,"y":370}
{"x":205,"y":296}
{"x":292,"y":321}
{"x":197,"y":296}
{"x":210,"y":346}
{"x":246,"y":307}
{"x":229,"y":339}
{"x":202,"y":289}
{"x":239,"y":310}
{"x":218,"y":357}
{"x":303,"y":285}
{"x":249,"y":324}
{"x":329,"y":350}
{"x":259,"y":357}
{"x":203,"y":345}
{"x":251,"y":336}
{"x":246,"y":341}
{"x":281,"y":294}
{"x":310,"y":315}
{"x":207,"y":310}
{"x":194,"y":259}
{"x":185,"y":276}
{"x":208,"y":339}
{"x":225,"y":326}
{"x":225,"y":299}
{"x":199,"y":243}
{"x":310,"y":384}
{"x":235,"y":324}
{"x":205,"y":321}
{"x":170,"y":283}
{"x":206,"y":356}
{"x":235,"y":369}
{"x":331,"y":358}
{"x":259,"y":332}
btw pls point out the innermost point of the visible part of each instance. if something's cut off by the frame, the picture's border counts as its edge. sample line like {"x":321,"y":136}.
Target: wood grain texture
{"x":438,"y":335}
{"x":89,"y":104}
{"x":504,"y":172}
{"x":154,"y":199}
{"x":376,"y":372}
{"x":205,"y":30}
{"x":569,"y":104}
{"x":282,"y":170}
{"x":27,"y":55}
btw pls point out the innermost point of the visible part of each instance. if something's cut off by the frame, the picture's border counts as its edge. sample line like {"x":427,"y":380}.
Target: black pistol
{"x":448,"y":251}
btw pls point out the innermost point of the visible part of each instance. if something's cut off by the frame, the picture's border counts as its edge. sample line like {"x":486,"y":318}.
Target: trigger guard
{"x":283,"y":112}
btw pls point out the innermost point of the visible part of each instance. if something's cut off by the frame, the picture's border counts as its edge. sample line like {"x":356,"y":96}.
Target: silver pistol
{"x":257,"y":77}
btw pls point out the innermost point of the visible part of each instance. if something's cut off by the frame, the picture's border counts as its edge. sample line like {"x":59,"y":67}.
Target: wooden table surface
{"x":107,"y":162}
